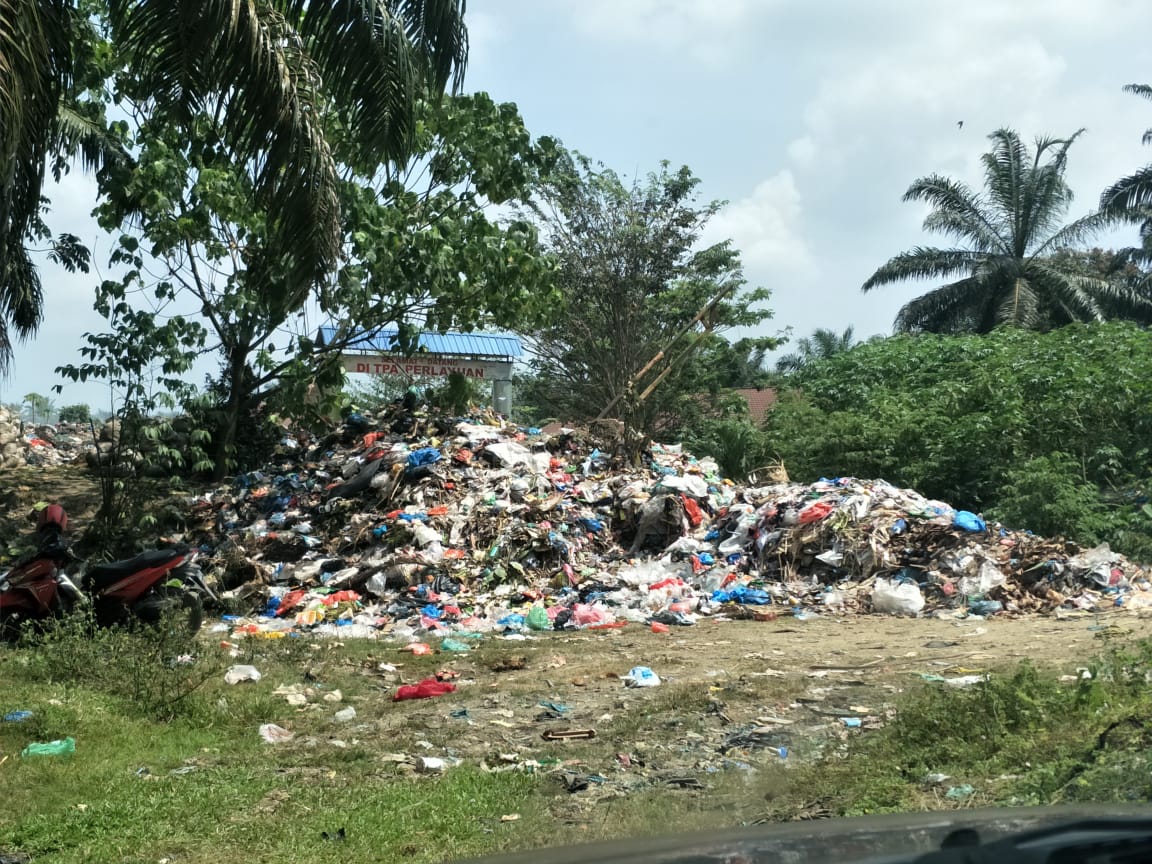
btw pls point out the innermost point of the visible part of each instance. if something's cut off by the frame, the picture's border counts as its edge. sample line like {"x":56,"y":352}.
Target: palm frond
{"x":1075,"y":233}
{"x":957,"y":211}
{"x":924,"y":263}
{"x":247,"y":56}
{"x":1075,"y":294}
{"x":1004,"y":167}
{"x":21,"y":301}
{"x":378,"y":57}
{"x":1127,"y":197}
{"x":953,"y":308}
{"x":79,"y":135}
{"x":35,"y":68}
{"x":1144,"y":90}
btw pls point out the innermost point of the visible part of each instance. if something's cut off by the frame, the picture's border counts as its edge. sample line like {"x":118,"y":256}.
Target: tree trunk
{"x":226,"y":432}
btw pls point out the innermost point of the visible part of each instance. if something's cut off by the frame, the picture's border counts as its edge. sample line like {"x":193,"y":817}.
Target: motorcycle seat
{"x":103,"y":575}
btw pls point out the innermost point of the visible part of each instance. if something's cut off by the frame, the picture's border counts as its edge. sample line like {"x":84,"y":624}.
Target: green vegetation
{"x":39,"y":407}
{"x":75,"y":414}
{"x":267,"y":70}
{"x":632,"y":275}
{"x":1022,"y":738}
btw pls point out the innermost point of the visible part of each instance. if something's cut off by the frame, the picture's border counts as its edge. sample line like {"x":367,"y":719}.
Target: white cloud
{"x":766,"y":228}
{"x":705,"y":28}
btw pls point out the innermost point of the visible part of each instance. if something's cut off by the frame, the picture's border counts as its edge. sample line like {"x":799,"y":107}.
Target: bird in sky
{"x":959,"y":124}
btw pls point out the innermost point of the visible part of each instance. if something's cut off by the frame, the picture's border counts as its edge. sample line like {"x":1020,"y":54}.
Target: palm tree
{"x":1130,"y":198}
{"x":820,"y":345}
{"x":270,"y":68}
{"x":1003,"y":271}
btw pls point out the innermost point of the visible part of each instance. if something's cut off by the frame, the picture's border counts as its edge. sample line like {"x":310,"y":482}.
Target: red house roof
{"x":760,"y":400}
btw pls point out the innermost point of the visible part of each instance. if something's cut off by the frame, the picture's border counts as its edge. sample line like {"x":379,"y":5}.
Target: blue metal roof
{"x":455,"y":344}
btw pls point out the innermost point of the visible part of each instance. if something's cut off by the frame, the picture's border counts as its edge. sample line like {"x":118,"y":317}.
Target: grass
{"x":169,"y":765}
{"x":1023,"y":737}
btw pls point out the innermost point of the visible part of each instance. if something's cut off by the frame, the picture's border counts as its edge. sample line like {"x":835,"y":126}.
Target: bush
{"x":1050,"y":429}
{"x":75,"y":414}
{"x":157,"y":671}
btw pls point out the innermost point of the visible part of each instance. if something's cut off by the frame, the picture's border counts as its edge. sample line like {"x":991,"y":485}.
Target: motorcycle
{"x":147,"y":588}
{"x":37,"y":588}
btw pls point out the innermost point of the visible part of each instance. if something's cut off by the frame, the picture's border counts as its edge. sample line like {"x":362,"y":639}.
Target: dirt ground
{"x":736,"y":696}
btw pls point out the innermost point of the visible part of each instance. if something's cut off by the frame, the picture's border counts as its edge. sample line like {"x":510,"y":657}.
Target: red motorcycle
{"x":146,"y":588}
{"x":37,"y":587}
{"x":149,"y":587}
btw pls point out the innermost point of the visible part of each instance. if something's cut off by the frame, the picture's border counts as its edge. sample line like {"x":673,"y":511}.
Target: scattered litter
{"x":641,"y":676}
{"x":62,"y":747}
{"x":431,"y":765}
{"x":17,"y":716}
{"x":426,"y":689}
{"x":274,"y":734}
{"x":959,"y":793}
{"x":568,"y":734}
{"x":237,"y":674}
{"x":345,"y":715}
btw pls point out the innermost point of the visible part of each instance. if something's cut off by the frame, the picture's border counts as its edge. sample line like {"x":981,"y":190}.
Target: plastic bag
{"x":424,"y":456}
{"x":52,"y":748}
{"x":538,"y":619}
{"x":241,"y":673}
{"x":274,"y":734}
{"x":966,"y":521}
{"x":426,"y":689}
{"x":986,"y":578}
{"x":641,"y":676}
{"x":897,"y":598}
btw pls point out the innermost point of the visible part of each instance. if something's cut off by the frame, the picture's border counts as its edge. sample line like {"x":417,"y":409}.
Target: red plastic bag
{"x":288,"y":602}
{"x":341,"y":597}
{"x":695,"y":514}
{"x":426,"y":689}
{"x":816,"y":511}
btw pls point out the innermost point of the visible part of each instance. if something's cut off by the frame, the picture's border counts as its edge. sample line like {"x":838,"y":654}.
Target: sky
{"x":809,"y":118}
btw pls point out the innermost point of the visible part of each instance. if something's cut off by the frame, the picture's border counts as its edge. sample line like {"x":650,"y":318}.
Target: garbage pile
{"x":13,"y":450}
{"x":417,"y":529}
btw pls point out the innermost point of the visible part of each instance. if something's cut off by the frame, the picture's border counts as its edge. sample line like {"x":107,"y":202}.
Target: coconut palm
{"x":1003,"y":270}
{"x":269,"y":68}
{"x":820,"y":345}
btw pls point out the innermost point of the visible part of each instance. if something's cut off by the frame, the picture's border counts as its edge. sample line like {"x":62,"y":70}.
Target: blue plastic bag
{"x":424,"y":456}
{"x":743,"y":595}
{"x":966,"y":521}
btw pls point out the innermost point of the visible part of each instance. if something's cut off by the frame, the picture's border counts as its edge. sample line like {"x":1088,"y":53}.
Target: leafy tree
{"x":39,"y":407}
{"x":632,"y":275}
{"x":418,"y":248}
{"x":1004,"y":272}
{"x":822,"y":344}
{"x":75,"y":414}
{"x":1015,"y":422}
{"x":265,"y":70}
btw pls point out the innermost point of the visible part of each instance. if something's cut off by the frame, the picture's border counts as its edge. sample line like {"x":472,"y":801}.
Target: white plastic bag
{"x":987,"y":578}
{"x":897,"y":598}
{"x":241,"y":673}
